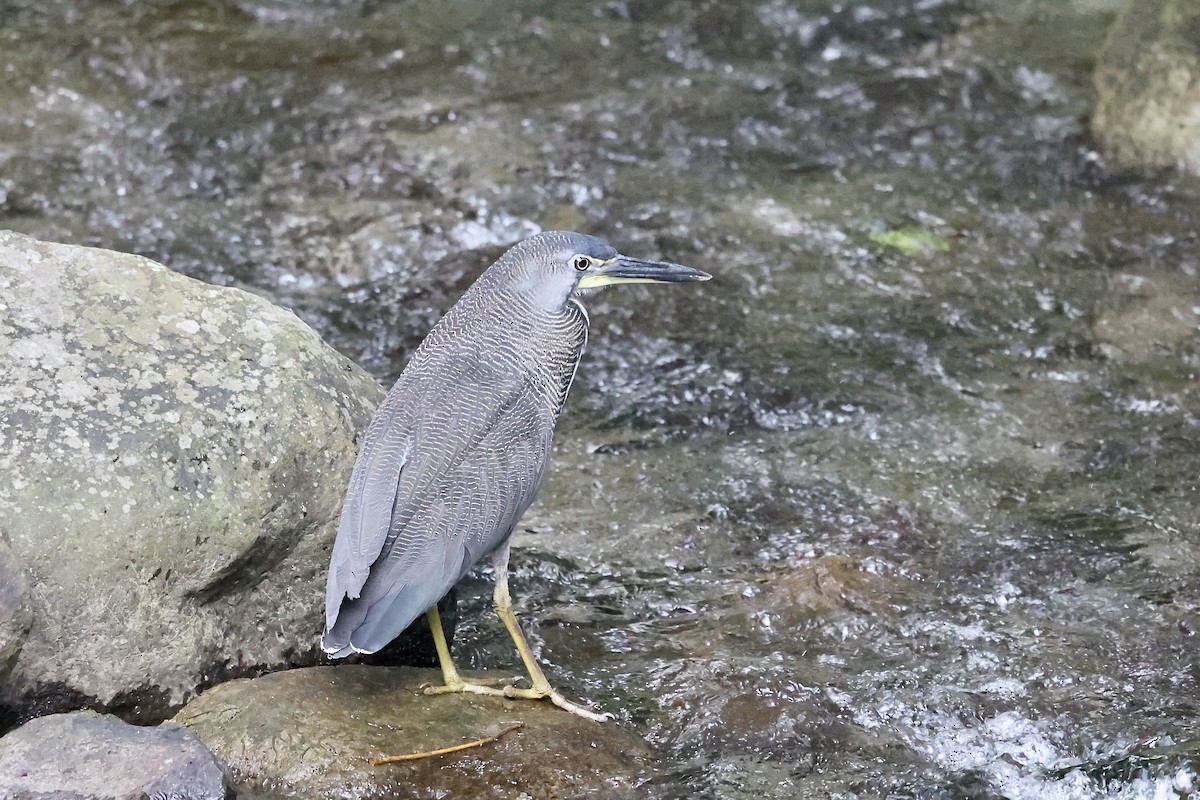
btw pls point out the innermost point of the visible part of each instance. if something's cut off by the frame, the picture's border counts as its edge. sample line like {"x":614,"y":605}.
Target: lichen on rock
{"x":172,"y":462}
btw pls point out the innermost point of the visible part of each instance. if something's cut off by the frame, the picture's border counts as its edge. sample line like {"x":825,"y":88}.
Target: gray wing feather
{"x":367,"y":511}
{"x":426,"y":505}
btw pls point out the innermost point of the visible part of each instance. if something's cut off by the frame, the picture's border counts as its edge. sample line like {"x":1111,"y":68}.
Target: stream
{"x":903,"y":503}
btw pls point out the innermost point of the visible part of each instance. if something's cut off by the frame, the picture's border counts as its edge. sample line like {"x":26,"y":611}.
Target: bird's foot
{"x":516,"y":693}
{"x":554,"y":697}
{"x":460,"y":687}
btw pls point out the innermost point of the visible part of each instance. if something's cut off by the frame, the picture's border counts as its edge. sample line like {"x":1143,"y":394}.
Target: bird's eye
{"x":581,"y":263}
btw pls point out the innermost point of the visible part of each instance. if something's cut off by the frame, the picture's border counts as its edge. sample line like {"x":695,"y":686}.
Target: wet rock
{"x":15,"y":615}
{"x":311,"y":731}
{"x":1148,"y":86}
{"x":173,"y":464}
{"x":85,"y":755}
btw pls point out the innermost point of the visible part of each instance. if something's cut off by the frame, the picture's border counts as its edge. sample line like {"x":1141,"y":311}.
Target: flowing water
{"x":903,"y":503}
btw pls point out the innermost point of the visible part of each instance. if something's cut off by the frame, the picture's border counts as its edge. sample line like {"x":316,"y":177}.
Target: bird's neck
{"x":556,"y":328}
{"x":512,"y":338}
{"x":520,"y":320}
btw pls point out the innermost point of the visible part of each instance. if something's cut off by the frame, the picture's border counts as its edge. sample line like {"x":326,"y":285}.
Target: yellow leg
{"x":452,"y":682}
{"x":539,"y":687}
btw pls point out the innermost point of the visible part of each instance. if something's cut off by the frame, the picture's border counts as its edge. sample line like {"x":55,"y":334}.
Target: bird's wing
{"x":367,"y":510}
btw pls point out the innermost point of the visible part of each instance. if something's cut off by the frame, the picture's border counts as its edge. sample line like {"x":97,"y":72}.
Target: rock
{"x":172,"y":466}
{"x":1148,"y":86}
{"x":15,"y":615}
{"x":310,"y":732}
{"x":86,"y":755}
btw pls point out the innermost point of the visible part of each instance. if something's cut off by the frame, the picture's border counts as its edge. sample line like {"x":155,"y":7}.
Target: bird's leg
{"x":452,"y":681}
{"x":540,"y":688}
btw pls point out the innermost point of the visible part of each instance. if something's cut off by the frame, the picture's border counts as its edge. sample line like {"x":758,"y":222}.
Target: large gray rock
{"x":1148,"y":86}
{"x":309,"y":733}
{"x":172,"y":462}
{"x":86,"y":756}
{"x":15,"y":615}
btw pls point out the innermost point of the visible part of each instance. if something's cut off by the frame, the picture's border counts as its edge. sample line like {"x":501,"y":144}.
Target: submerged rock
{"x":820,"y":586}
{"x":173,"y":461}
{"x":310,"y":732}
{"x":1148,"y":86}
{"x":1150,"y":317}
{"x":85,"y":755}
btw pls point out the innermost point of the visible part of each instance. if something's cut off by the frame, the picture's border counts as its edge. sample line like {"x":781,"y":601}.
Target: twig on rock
{"x":375,"y":762}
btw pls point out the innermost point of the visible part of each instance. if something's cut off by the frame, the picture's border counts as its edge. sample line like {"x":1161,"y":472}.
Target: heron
{"x":458,"y":449}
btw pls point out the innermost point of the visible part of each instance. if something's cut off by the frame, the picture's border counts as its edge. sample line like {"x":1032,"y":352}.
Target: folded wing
{"x":442,"y":478}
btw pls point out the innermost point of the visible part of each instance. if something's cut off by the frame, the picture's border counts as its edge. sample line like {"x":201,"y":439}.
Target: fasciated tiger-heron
{"x":458,"y":449}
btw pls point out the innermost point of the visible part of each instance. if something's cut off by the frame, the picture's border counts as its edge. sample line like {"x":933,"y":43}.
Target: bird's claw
{"x":512,"y":692}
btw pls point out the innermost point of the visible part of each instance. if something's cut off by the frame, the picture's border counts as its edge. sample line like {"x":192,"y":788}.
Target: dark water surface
{"x":903,"y":503}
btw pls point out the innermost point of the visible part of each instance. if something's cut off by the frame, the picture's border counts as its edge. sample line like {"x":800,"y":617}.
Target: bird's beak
{"x":624,"y":269}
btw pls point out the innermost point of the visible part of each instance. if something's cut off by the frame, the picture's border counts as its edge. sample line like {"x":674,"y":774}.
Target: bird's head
{"x":555,"y":265}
